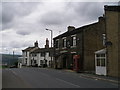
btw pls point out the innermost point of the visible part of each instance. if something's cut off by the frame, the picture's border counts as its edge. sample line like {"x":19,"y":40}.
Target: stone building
{"x":83,"y":41}
{"x":42,"y":57}
{"x":26,"y":54}
{"x":112,"y":15}
{"x":107,"y":59}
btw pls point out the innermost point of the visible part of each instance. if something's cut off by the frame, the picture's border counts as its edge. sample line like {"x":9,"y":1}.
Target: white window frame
{"x":58,"y":43}
{"x":74,"y":43}
{"x":100,"y":59}
{"x":64,"y":42}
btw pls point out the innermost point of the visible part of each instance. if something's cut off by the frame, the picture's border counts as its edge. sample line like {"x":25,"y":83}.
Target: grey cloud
{"x":89,"y":10}
{"x":15,"y":44}
{"x":57,"y":17}
{"x":10,"y":10}
{"x":23,"y":32}
{"x":0,"y":12}
{"x":52,"y":18}
{"x":74,"y":11}
{"x":18,"y":44}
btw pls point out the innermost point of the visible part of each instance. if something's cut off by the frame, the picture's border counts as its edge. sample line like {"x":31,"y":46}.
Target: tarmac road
{"x":48,"y":78}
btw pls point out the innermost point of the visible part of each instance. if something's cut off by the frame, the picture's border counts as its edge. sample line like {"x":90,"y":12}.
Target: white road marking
{"x":13,"y":72}
{"x":61,"y":79}
{"x":68,"y":82}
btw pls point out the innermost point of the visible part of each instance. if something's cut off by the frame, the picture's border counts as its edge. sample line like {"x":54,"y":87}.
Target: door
{"x":100,"y":60}
{"x":64,"y":62}
{"x":76,"y":63}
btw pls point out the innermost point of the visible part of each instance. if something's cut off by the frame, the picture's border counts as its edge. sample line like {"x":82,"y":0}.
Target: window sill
{"x":57,"y":49}
{"x":64,"y":48}
{"x":73,"y":46}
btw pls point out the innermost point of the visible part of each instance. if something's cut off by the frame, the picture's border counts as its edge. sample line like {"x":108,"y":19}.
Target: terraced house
{"x":26,"y":54}
{"x":42,"y":57}
{"x":80,"y":42}
{"x":39,"y":57}
{"x":96,"y":46}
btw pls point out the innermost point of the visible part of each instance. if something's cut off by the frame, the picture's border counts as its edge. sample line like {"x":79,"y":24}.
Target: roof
{"x":28,"y":49}
{"x":77,"y":30}
{"x":42,"y":50}
{"x":112,"y":8}
{"x":102,"y":51}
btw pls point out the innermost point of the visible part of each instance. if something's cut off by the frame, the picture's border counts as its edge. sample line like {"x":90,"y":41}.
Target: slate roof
{"x":77,"y":30}
{"x":28,"y":49}
{"x":42,"y":50}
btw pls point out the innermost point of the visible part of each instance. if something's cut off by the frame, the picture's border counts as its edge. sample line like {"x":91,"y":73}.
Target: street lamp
{"x":51,"y":43}
{"x":51,"y":35}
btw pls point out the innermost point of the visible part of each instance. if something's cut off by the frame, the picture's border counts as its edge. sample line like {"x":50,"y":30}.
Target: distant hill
{"x":8,"y":58}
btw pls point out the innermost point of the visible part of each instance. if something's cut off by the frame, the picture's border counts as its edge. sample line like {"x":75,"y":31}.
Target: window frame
{"x":57,"y":44}
{"x":64,"y":42}
{"x":101,"y":56}
{"x":74,"y":41}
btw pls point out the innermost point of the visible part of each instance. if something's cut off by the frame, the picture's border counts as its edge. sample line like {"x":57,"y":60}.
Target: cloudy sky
{"x":22,"y":23}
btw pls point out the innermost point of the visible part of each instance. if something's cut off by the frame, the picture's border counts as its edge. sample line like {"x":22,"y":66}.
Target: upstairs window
{"x":57,"y":43}
{"x":42,"y":54}
{"x":73,"y":41}
{"x":64,"y":42}
{"x":26,"y":54}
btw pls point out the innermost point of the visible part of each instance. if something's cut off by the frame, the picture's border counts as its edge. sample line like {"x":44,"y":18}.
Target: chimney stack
{"x":70,"y":28}
{"x":47,"y":43}
{"x":36,"y":44}
{"x":101,"y":18}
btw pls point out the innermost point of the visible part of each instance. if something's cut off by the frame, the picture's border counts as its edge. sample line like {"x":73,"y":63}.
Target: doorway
{"x":64,"y":62}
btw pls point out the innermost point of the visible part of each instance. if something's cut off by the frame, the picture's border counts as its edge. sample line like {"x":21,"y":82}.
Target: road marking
{"x":68,"y":82}
{"x":13,"y":72}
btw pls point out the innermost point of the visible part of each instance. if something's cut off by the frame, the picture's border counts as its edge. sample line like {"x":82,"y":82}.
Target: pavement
{"x":97,"y":77}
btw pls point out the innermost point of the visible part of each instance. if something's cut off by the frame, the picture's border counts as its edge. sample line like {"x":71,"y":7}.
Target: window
{"x":41,"y":62}
{"x":64,"y":42}
{"x":26,"y":54}
{"x":34,"y":55}
{"x":57,"y":43}
{"x":73,"y":40}
{"x":35,"y":61}
{"x":100,"y":59}
{"x":103,"y":62}
{"x":50,"y":54}
{"x":26,"y":61}
{"x":102,"y":55}
{"x":42,"y":54}
{"x":98,"y":62}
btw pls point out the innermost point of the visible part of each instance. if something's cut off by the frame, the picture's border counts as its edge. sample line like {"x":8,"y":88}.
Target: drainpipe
{"x":82,"y":50}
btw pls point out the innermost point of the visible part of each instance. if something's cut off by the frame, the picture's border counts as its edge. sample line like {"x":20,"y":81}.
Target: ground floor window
{"x":100,"y":60}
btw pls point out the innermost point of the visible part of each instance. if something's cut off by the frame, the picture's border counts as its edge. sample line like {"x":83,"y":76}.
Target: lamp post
{"x":51,"y":35}
{"x":51,"y":42}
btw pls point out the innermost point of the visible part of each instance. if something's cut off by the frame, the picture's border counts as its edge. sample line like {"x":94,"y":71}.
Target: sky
{"x":24,"y":22}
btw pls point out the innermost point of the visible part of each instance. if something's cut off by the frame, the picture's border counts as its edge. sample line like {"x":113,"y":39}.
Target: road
{"x":48,"y":78}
